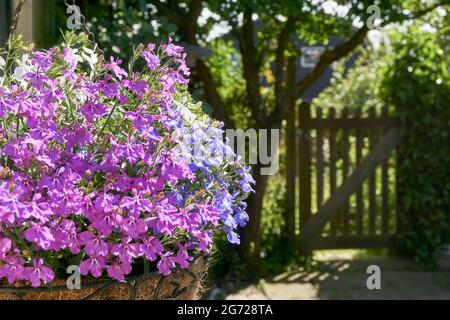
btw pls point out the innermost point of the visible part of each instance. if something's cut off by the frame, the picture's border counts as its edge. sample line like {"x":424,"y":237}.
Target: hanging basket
{"x":102,"y":171}
{"x":181,"y":284}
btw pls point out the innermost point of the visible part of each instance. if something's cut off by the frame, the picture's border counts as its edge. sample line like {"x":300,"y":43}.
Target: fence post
{"x":372,"y":179}
{"x":334,"y":223}
{"x":305,"y":164}
{"x":398,"y":191}
{"x":291,"y":151}
{"x":5,"y":20}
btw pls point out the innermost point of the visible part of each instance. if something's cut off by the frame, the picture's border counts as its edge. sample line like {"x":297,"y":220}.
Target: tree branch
{"x":420,"y":13}
{"x":195,"y":9}
{"x":342,"y":50}
{"x":327,"y":58}
{"x":251,"y":67}
{"x":187,"y":28}
{"x":280,"y":72}
{"x":280,"y":58}
{"x":288,"y":99}
{"x":212,"y":95}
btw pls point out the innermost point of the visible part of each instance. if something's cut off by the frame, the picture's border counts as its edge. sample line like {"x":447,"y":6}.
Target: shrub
{"x":417,"y":83}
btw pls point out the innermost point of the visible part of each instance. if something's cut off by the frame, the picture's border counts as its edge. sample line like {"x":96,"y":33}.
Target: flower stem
{"x":107,"y":119}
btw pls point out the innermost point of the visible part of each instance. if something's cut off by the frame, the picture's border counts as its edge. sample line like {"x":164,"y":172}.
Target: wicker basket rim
{"x":93,"y":284}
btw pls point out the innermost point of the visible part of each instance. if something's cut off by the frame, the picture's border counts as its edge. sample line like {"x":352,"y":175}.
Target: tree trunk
{"x":251,"y":237}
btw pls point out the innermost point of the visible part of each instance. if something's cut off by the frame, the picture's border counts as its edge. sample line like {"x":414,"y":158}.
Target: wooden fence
{"x":347,"y":184}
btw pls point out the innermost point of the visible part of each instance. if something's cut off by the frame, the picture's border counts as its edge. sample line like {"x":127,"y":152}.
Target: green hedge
{"x":418,"y":85}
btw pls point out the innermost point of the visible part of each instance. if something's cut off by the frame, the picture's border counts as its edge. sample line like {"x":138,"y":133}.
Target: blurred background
{"x":360,"y":91}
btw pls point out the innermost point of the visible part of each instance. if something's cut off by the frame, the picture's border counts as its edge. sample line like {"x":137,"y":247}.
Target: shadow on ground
{"x":337,"y":278}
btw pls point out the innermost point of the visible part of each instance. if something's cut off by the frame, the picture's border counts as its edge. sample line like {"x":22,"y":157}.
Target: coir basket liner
{"x":182,"y":284}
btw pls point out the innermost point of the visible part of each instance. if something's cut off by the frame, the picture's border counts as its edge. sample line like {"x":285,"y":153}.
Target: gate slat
{"x":345,"y":172}
{"x":291,"y":175}
{"x":359,"y":192}
{"x":354,"y":242}
{"x":372,"y":182}
{"x":305,"y":165}
{"x":385,"y":188}
{"x":332,"y":141}
{"x":398,"y":191}
{"x":319,"y":162}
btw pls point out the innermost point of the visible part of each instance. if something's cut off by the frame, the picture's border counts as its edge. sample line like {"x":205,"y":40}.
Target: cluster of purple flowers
{"x":95,"y":166}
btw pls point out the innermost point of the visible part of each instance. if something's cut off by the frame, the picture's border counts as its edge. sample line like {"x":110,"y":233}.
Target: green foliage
{"x":417,"y":83}
{"x":121,"y":25}
{"x":357,"y":87}
{"x":226,"y":68}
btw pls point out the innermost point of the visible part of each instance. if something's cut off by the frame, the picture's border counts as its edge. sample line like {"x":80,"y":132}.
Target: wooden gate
{"x":348,"y":195}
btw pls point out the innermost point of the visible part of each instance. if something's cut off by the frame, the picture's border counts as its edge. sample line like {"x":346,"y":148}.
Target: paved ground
{"x":341,"y":277}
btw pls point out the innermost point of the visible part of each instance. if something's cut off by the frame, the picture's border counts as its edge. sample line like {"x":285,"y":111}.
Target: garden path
{"x":341,"y":276}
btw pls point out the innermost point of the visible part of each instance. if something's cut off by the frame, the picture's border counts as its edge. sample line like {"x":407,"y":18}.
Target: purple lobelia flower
{"x":39,"y":211}
{"x":135,"y":205}
{"x":126,"y":250}
{"x":5,"y":246}
{"x":92,"y":110}
{"x":118,"y":269}
{"x":182,"y":257}
{"x":40,"y":235}
{"x":166,"y":264}
{"x":150,"y":57}
{"x":208,"y":213}
{"x":130,"y":150}
{"x":204,"y":240}
{"x":71,"y":59}
{"x":12,"y":269}
{"x":105,"y":222}
{"x":93,"y":265}
{"x":38,"y":273}
{"x":43,"y":59}
{"x":65,"y":235}
{"x":173,"y":50}
{"x":151,"y":248}
{"x":233,"y":237}
{"x":247,"y":179}
{"x":94,"y":245}
{"x":10,"y":206}
{"x":138,"y":87}
{"x":166,"y":219}
{"x":140,"y":119}
{"x":134,"y":227}
{"x":114,"y":66}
